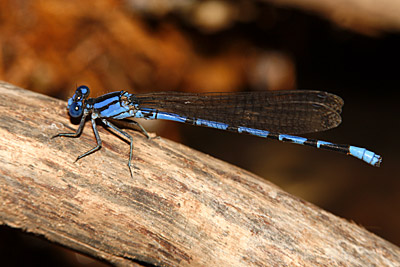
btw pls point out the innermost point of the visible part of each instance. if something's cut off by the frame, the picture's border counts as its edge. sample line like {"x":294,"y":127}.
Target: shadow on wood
{"x":182,"y":207}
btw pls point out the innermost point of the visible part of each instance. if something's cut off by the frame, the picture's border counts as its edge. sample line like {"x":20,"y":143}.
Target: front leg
{"x":77,"y":133}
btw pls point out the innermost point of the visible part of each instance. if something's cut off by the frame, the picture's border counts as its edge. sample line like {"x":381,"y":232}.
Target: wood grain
{"x":182,"y":207}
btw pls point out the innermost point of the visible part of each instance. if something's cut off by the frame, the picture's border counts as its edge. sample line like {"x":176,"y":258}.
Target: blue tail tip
{"x":366,"y":155}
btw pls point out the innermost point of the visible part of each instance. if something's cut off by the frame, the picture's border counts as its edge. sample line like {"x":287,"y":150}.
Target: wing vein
{"x":294,"y":112}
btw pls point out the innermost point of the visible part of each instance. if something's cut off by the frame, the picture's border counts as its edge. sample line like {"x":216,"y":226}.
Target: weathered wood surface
{"x":181,"y":208}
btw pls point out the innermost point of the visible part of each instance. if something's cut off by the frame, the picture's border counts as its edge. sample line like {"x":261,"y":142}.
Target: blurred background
{"x":350,"y":48}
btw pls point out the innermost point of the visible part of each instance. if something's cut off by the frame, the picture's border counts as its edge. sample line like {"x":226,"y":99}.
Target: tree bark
{"x":180,"y":208}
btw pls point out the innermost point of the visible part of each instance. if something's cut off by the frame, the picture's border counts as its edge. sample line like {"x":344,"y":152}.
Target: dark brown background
{"x":53,"y":46}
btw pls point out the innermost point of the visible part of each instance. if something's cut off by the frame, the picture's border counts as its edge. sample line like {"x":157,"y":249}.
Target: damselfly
{"x":265,"y":114}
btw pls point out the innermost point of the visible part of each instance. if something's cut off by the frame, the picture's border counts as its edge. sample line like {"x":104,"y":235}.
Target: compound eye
{"x":75,"y":109}
{"x":83,"y":91}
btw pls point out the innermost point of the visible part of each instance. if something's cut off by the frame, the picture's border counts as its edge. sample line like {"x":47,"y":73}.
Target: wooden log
{"x":181,"y":208}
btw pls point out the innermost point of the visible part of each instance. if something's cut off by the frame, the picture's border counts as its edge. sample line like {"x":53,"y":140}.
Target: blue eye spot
{"x":75,"y":110}
{"x":84,"y":90}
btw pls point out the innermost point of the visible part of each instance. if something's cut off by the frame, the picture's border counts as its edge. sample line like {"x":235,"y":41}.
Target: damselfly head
{"x":76,"y":102}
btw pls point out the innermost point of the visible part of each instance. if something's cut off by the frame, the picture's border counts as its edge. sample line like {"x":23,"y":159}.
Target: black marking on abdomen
{"x":233,"y":129}
{"x":275,"y":136}
{"x":148,"y":114}
{"x":311,"y":142}
{"x":336,"y":147}
{"x":190,"y":121}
